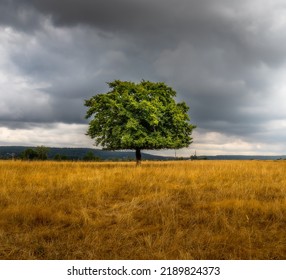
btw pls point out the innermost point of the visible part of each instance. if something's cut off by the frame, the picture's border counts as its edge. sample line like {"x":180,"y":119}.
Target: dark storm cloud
{"x":15,"y":15}
{"x":235,"y":27}
{"x":118,"y":15}
{"x":224,"y":58}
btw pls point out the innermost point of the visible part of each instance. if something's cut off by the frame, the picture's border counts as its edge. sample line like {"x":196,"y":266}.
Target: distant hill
{"x":247,"y":157}
{"x":79,"y":153}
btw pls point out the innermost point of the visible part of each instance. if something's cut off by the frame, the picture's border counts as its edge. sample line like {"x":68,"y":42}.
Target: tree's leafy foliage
{"x":138,"y":116}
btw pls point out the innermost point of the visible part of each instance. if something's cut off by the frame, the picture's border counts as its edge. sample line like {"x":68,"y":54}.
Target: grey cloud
{"x":14,"y":15}
{"x":240,"y":27}
{"x":64,"y":66}
{"x":13,"y":125}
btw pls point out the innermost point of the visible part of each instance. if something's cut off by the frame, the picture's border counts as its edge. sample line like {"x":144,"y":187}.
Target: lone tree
{"x":138,"y":116}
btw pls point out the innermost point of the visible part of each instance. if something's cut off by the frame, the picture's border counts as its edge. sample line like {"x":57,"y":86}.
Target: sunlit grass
{"x":160,"y":210}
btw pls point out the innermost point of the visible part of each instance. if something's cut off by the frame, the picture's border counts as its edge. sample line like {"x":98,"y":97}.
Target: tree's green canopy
{"x":138,"y":116}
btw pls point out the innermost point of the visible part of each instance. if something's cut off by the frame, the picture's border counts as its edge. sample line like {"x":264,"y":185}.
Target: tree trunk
{"x":138,"y":156}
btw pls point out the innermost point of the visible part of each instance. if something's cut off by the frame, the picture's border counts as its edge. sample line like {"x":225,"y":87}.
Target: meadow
{"x":225,"y":210}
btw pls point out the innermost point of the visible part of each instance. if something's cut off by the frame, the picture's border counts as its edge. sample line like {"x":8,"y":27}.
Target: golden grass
{"x":160,"y":210}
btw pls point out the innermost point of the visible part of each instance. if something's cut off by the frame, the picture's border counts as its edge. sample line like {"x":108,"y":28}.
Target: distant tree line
{"x":41,"y":153}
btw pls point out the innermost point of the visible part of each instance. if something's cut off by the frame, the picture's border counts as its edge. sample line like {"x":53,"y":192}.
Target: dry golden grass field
{"x":159,"y":210}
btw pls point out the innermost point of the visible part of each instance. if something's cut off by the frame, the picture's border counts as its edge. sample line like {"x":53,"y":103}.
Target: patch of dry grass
{"x":160,"y":210}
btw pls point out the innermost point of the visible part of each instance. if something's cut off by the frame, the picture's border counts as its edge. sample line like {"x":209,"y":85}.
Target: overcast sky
{"x":225,"y":58}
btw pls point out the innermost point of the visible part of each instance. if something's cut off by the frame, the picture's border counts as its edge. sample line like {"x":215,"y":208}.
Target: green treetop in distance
{"x":137,"y":116}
